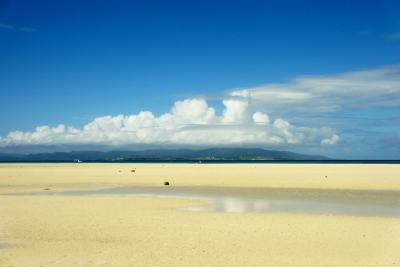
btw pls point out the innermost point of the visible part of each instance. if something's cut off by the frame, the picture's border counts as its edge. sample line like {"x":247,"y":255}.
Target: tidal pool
{"x":228,"y":204}
{"x":288,"y":200}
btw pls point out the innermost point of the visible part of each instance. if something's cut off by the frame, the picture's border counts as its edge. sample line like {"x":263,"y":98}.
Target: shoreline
{"x":331,"y":161}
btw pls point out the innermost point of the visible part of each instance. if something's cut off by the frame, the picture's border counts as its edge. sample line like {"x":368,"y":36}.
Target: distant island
{"x":162,"y":155}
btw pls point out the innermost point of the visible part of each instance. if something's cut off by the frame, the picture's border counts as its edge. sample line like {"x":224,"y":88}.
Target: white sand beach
{"x":128,"y":230}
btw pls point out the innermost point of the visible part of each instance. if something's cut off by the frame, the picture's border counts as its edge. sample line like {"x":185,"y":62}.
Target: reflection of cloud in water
{"x":220,"y":202}
{"x":226,"y":204}
{"x":230,"y":204}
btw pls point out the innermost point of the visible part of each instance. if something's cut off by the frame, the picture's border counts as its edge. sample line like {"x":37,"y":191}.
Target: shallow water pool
{"x":288,"y":200}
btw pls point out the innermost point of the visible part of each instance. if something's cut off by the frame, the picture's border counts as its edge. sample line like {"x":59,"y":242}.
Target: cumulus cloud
{"x":191,"y":122}
{"x":328,"y":93}
{"x":260,"y":118}
{"x":235,"y":111}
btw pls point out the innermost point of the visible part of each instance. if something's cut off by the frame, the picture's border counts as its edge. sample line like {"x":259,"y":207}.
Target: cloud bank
{"x":189,"y":122}
{"x":378,"y":88}
{"x":250,"y":116}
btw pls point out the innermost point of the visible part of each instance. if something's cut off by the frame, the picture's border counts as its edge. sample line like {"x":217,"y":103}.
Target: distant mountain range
{"x":211,"y":154}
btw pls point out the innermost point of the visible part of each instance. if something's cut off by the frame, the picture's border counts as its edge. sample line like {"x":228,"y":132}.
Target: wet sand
{"x":129,"y":230}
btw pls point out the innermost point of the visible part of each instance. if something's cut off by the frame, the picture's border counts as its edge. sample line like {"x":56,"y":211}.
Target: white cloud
{"x":194,"y":111}
{"x":191,"y":122}
{"x":333,"y":140}
{"x":328,"y":93}
{"x":235,"y":111}
{"x":260,"y":118}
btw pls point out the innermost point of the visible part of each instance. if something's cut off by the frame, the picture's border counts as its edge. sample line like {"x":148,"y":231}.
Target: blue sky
{"x":70,"y":63}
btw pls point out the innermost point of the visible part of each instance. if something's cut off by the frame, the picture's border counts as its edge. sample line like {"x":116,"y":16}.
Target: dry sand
{"x":106,"y":230}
